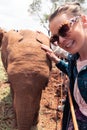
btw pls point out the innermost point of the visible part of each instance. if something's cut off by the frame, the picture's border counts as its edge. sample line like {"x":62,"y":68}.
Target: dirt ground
{"x":49,"y":115}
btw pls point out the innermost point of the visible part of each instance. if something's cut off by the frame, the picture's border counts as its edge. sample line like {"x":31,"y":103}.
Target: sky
{"x":14,"y":15}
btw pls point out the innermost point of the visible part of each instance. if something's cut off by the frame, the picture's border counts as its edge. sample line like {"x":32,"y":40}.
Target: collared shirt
{"x":77,"y":95}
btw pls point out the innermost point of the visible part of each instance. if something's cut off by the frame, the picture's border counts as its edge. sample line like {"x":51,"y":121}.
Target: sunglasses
{"x":64,"y":29}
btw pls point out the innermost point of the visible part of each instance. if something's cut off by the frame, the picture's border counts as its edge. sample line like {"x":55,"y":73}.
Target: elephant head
{"x":28,"y":71}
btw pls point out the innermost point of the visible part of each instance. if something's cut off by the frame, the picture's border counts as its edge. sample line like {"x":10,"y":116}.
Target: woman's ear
{"x":84,"y":20}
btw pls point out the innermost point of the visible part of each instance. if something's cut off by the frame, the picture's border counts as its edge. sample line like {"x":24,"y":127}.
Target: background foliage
{"x":36,"y":9}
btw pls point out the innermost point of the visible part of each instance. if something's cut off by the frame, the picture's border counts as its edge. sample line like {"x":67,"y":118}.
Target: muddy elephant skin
{"x":28,"y":71}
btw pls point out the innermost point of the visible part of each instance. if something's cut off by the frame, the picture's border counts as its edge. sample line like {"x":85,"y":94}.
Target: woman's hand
{"x":50,"y":53}
{"x":46,"y":48}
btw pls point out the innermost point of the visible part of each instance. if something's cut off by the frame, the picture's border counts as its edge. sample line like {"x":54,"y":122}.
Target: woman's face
{"x":67,"y":32}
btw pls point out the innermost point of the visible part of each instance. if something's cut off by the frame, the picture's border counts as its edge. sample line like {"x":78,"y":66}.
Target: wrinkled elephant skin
{"x":28,"y":72}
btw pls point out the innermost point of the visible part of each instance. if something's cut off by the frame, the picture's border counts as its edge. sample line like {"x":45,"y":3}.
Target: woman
{"x":68,"y":26}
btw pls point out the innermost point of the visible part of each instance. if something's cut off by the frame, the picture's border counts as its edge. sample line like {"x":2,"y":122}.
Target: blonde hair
{"x":72,"y":8}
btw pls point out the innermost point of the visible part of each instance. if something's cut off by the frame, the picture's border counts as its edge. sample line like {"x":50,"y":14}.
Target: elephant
{"x":28,"y":70}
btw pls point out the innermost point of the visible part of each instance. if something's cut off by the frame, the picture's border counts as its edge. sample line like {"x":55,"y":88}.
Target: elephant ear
{"x":1,"y":36}
{"x":42,"y":38}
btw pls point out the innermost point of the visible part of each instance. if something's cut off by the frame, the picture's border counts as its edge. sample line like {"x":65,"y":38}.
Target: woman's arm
{"x":62,"y":65}
{"x":59,"y":51}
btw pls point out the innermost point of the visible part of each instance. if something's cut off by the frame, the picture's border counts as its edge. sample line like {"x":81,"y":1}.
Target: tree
{"x":35,"y":9}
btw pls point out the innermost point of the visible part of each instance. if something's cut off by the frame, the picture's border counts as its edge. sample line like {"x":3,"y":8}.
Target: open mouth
{"x":69,"y":44}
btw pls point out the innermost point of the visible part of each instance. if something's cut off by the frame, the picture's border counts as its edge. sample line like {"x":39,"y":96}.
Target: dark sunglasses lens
{"x":63,"y":30}
{"x":54,"y":38}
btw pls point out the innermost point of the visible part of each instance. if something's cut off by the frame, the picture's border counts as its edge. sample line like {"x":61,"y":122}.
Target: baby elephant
{"x":28,"y":70}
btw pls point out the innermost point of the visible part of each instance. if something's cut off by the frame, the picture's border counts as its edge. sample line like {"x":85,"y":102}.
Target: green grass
{"x":3,"y":76}
{"x":6,"y":110}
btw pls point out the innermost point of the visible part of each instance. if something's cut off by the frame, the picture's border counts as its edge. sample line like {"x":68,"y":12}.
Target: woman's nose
{"x":61,"y":39}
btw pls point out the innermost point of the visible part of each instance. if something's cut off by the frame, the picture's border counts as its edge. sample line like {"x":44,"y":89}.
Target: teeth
{"x":69,"y":44}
